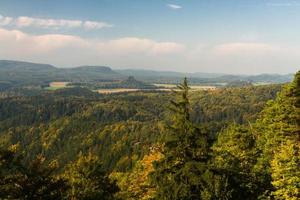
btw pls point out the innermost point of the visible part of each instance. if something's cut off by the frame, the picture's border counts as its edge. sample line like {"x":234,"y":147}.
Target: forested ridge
{"x":18,"y":74}
{"x":231,"y":143}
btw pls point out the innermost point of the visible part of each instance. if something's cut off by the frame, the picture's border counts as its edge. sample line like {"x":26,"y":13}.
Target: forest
{"x":230,"y":143}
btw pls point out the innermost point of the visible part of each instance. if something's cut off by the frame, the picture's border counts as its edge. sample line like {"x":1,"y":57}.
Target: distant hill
{"x":141,"y":73}
{"x":150,"y":74}
{"x":273,"y":78}
{"x":16,"y":73}
{"x":263,"y":78}
{"x":199,"y":77}
{"x":23,"y":66}
{"x":90,"y":73}
{"x":93,"y":69}
{"x":20,"y":74}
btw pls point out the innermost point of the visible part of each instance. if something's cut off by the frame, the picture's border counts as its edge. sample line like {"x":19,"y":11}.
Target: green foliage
{"x":285,"y":163}
{"x":278,"y":122}
{"x":35,"y":181}
{"x":136,"y":184}
{"x":119,"y":128}
{"x":182,"y":172}
{"x":88,"y":181}
{"x":235,"y":155}
{"x":262,"y":160}
{"x":285,"y":171}
{"x":224,"y":106}
{"x":130,"y":82}
{"x":66,"y":125}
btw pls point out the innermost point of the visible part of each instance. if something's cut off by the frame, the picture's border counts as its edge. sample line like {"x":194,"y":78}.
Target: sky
{"x":215,"y":36}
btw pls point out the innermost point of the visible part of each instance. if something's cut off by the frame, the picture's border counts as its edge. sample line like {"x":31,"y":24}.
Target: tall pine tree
{"x":183,"y":171}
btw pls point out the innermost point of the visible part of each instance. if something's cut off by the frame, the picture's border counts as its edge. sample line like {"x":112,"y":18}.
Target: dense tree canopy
{"x":35,"y":181}
{"x":231,"y":143}
{"x":262,"y":158}
{"x":88,"y":180}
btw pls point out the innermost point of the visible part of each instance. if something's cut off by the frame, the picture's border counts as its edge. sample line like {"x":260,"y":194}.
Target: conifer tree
{"x":183,"y":171}
{"x":285,"y":165}
{"x":278,"y":122}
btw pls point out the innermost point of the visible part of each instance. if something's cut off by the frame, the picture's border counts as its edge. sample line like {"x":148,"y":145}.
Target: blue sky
{"x":232,"y":36}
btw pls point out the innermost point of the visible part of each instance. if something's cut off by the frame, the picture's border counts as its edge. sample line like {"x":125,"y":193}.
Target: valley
{"x":16,"y":74}
{"x":63,"y":125}
{"x":149,"y":100}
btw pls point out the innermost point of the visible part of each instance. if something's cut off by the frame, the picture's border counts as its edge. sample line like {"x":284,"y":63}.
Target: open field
{"x":167,"y":89}
{"x":57,"y":85}
{"x":165,"y":85}
{"x":198,"y":87}
{"x":261,"y":83}
{"x":116,"y":90}
{"x":193,"y":87}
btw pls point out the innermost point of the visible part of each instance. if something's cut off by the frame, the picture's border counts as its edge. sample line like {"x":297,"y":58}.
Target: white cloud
{"x":24,"y":21}
{"x":134,"y":52}
{"x":167,"y":48}
{"x":131,"y":45}
{"x":5,"y":20}
{"x":174,"y":6}
{"x":247,"y":48}
{"x":70,"y":49}
{"x":19,"y":43}
{"x":47,"y":23}
{"x":96,"y":25}
{"x":243,"y":57}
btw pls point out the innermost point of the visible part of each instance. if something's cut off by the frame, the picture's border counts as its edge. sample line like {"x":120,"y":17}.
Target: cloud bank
{"x":246,"y":48}
{"x":70,"y":50}
{"x":133,"y":52}
{"x":24,"y":21}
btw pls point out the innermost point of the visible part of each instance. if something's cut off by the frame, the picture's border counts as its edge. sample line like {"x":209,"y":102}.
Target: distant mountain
{"x":206,"y":78}
{"x":25,"y":73}
{"x":261,"y":78}
{"x":93,"y":69}
{"x":199,"y":77}
{"x":23,"y":66}
{"x":17,"y":73}
{"x":271,"y":78}
{"x":205,"y":75}
{"x":140,"y":73}
{"x":20,"y":73}
{"x":90,"y":73}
